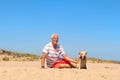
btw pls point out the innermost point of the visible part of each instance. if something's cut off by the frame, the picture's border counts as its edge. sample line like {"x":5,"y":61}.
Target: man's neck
{"x":54,"y":46}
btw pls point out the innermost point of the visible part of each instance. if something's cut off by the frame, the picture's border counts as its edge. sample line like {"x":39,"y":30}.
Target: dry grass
{"x":96,"y":60}
{"x":17,"y":56}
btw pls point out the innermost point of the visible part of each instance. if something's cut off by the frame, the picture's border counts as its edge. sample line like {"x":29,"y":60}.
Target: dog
{"x":82,"y":59}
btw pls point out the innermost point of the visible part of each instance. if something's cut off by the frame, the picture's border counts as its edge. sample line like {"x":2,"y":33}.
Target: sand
{"x":30,"y":70}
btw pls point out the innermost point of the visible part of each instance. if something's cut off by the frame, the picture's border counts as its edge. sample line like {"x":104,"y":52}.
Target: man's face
{"x":55,"y":40}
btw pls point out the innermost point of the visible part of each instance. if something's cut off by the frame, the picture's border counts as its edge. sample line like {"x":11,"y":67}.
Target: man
{"x":52,"y":52}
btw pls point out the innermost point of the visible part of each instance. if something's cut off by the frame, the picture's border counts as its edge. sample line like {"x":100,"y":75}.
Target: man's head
{"x":54,"y":39}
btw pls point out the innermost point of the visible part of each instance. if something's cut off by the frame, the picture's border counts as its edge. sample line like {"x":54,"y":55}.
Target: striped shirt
{"x":53,"y":54}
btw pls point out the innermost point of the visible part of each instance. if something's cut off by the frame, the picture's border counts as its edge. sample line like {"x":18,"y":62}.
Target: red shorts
{"x":57,"y":64}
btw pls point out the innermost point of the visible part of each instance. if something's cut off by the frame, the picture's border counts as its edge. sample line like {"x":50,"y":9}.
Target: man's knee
{"x":65,"y":66}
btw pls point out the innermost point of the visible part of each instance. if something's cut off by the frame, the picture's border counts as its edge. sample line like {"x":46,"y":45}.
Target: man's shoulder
{"x":48,"y":44}
{"x":59,"y":46}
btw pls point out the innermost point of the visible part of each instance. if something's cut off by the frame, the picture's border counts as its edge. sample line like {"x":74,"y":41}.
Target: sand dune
{"x":30,"y":70}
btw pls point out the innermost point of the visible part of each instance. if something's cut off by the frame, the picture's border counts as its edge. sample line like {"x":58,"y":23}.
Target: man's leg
{"x":64,"y":64}
{"x":73,"y":65}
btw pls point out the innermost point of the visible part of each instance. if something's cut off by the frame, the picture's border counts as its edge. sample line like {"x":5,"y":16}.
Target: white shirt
{"x":53,"y":54}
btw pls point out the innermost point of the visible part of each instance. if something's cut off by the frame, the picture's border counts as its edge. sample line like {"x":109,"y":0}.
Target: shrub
{"x":5,"y":58}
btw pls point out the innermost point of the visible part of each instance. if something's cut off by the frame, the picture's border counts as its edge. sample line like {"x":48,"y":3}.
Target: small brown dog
{"x":82,"y":60}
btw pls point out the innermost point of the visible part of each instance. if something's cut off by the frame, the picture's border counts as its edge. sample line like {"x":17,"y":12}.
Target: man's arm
{"x":43,"y":60}
{"x":68,"y":58}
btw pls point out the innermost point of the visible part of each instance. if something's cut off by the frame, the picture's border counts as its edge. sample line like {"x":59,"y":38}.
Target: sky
{"x":89,"y":25}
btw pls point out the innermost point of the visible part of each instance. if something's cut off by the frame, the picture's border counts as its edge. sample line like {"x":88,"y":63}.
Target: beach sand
{"x":30,"y":70}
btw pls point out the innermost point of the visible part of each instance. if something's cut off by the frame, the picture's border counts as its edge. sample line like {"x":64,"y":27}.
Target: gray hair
{"x":54,"y":35}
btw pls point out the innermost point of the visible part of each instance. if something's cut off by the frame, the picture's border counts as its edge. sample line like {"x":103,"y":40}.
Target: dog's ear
{"x":79,"y":54}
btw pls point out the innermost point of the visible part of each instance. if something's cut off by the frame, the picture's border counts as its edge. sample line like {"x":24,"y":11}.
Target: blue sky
{"x":90,"y":25}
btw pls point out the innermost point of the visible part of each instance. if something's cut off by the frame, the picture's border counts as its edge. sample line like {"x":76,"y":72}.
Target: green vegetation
{"x":5,"y":58}
{"x":96,"y":60}
{"x":16,"y":56}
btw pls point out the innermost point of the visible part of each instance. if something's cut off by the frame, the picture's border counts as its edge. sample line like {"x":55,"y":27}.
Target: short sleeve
{"x":62,"y":50}
{"x":45,"y":49}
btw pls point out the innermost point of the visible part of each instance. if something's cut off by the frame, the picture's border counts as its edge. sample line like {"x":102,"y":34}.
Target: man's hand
{"x":42,"y":67}
{"x":43,"y":60}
